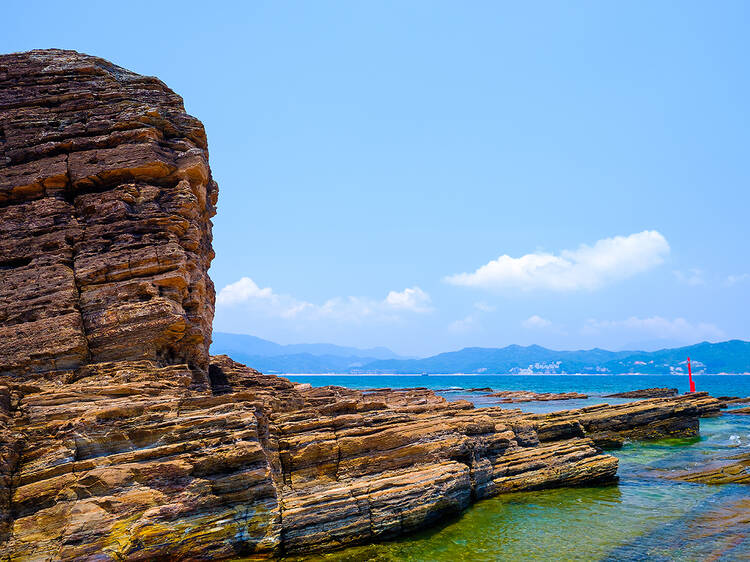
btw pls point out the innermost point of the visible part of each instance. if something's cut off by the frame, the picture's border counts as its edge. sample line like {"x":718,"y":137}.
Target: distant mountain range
{"x":271,"y":357}
{"x":726,"y":357}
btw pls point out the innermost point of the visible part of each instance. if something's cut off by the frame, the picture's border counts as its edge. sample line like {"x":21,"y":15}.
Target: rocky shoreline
{"x":129,"y":460}
{"x":121,"y":439}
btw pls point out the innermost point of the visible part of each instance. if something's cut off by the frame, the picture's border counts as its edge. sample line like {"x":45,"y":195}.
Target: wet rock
{"x":741,"y":411}
{"x":657,"y":418}
{"x":733,"y":470}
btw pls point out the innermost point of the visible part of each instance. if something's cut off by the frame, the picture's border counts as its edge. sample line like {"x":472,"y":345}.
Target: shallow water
{"x":645,"y":516}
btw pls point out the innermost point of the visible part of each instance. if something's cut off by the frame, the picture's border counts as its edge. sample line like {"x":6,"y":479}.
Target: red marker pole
{"x":690,"y":376}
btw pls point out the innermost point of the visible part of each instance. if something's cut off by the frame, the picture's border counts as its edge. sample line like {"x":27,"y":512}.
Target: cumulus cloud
{"x":657,"y":327}
{"x":246,"y":293}
{"x":536,"y":322}
{"x":413,"y":298}
{"x":587,"y":267}
{"x":241,"y":291}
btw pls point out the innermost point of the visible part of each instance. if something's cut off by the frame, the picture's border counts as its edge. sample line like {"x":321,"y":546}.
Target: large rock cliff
{"x":121,"y":439}
{"x":105,"y":201}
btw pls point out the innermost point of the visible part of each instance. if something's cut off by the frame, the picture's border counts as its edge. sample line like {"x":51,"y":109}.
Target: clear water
{"x":645,"y":516}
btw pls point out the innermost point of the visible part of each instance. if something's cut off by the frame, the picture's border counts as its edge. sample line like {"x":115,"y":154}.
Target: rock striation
{"x":645,"y":393}
{"x":120,"y":439}
{"x":730,"y":470}
{"x":127,"y":460}
{"x":519,"y":396}
{"x":105,"y":201}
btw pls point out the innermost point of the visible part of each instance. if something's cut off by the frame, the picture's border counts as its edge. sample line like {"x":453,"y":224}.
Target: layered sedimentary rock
{"x":731,"y":470}
{"x":645,"y":393}
{"x":519,"y":396}
{"x":105,"y":201}
{"x":657,"y":418}
{"x":742,"y":411}
{"x":129,"y":460}
{"x":119,"y":440}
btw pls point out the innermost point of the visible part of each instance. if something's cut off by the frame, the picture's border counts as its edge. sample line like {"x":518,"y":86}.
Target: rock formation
{"x":645,"y":393}
{"x":105,"y":201}
{"x":730,"y":470}
{"x":121,"y":440}
{"x":657,"y":418}
{"x":742,"y":411}
{"x":519,"y":396}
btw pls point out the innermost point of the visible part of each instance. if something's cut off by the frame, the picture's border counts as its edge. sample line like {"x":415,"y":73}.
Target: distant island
{"x":726,"y":357}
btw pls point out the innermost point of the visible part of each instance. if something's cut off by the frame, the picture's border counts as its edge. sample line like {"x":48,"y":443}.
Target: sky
{"x":428,"y":176}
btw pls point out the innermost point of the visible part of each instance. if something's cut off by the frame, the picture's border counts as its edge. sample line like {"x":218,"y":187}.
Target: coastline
{"x":504,"y":374}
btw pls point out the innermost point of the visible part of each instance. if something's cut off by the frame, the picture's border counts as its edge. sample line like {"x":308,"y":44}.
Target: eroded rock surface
{"x":105,"y":201}
{"x":129,"y":460}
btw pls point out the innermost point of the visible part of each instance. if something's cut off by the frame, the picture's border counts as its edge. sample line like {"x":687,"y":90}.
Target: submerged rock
{"x":732,"y":470}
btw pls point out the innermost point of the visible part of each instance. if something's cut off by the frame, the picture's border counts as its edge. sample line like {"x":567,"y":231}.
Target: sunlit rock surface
{"x":105,"y":201}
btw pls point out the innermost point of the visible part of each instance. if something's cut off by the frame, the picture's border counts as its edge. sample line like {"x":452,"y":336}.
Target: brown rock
{"x":742,"y":411}
{"x":131,"y":460}
{"x":656,"y":418}
{"x":733,"y":470}
{"x":518,"y":396}
{"x":105,"y":201}
{"x":645,"y":393}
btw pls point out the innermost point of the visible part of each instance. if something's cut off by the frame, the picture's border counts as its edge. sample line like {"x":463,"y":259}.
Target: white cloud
{"x":692,"y":277}
{"x":657,"y":327}
{"x":243,"y":290}
{"x":587,"y":267}
{"x":247,"y":294}
{"x":464,"y":324}
{"x":413,"y":298}
{"x":473,"y":320}
{"x":536,"y":322}
{"x":734,"y":279}
{"x":482,"y":306}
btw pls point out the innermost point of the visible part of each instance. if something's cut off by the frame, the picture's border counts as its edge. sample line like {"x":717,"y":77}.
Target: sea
{"x":644,"y":516}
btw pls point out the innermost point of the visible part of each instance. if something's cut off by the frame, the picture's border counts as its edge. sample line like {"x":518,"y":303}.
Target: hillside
{"x":726,"y":357}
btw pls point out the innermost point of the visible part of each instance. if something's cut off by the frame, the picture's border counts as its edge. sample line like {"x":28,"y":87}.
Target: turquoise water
{"x":645,"y":516}
{"x":594,"y":385}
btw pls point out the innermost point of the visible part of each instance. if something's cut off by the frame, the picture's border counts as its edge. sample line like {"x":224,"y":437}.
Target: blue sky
{"x":433,"y":175}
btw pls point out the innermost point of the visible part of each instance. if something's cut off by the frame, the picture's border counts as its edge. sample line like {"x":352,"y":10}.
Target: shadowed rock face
{"x":105,"y":201}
